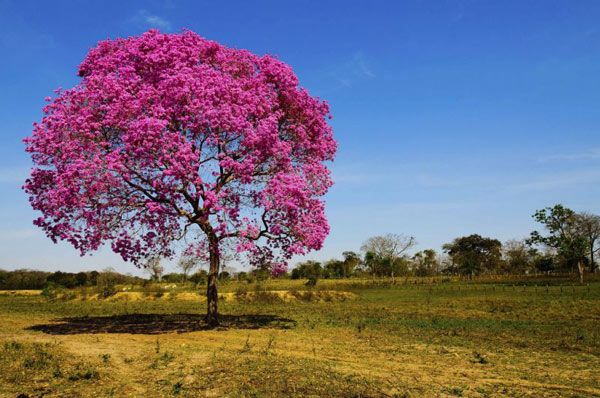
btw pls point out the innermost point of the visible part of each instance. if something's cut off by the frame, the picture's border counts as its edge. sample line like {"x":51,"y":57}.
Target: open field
{"x":355,"y":339}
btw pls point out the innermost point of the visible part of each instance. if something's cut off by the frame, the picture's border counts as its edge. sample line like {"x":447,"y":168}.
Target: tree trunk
{"x":212,"y":314}
{"x":581,"y":269}
{"x":592,"y":265}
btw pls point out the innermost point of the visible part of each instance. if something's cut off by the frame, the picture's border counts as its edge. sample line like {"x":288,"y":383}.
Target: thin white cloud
{"x":389,"y":210}
{"x":361,"y":65}
{"x":352,"y":70}
{"x":144,"y":18}
{"x":465,"y":182}
{"x":590,"y":154}
{"x":407,"y":176}
{"x":560,"y":180}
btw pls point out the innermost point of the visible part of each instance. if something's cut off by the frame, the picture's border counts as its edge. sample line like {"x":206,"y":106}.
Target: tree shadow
{"x":158,"y":323}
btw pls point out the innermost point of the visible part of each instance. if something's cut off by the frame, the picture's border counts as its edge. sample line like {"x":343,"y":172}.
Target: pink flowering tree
{"x":166,"y":133}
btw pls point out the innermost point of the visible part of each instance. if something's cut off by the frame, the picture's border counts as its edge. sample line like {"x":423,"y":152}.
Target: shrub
{"x":83,"y":372}
{"x":312,"y":281}
{"x":51,"y":291}
{"x":241,"y":291}
{"x":106,"y":282}
{"x":261,"y":295}
{"x":199,"y":278}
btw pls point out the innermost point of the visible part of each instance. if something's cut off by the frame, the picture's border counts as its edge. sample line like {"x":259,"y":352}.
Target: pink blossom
{"x":170,"y":132}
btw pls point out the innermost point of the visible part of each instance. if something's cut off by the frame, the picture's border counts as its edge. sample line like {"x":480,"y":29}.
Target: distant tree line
{"x":31,"y":279}
{"x":569,"y":243}
{"x":24,"y":279}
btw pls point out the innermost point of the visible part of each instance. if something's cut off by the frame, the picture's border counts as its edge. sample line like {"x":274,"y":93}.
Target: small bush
{"x":241,"y":291}
{"x":311,"y":282}
{"x":52,"y":291}
{"x":13,"y":346}
{"x":162,"y":360}
{"x":177,"y":387}
{"x":23,"y":362}
{"x":105,"y":358}
{"x":153,"y":290}
{"x":83,"y":372}
{"x":261,"y":295}
{"x":479,"y":358}
{"x":107,"y":283}
{"x":39,"y":358}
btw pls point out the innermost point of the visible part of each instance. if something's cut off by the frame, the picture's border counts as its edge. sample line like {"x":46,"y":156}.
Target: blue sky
{"x":452,"y":117}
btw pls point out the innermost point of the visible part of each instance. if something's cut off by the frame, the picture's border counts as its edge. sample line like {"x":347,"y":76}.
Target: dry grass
{"x":20,"y":292}
{"x":479,"y":341}
{"x":245,"y":295}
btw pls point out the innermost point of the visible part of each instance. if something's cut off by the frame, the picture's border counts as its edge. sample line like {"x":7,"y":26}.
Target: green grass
{"x":451,"y":339}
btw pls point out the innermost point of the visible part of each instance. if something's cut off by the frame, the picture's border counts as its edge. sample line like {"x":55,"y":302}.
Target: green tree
{"x":81,"y":278}
{"x":107,"y":282}
{"x":173,"y":277}
{"x":93,"y":277}
{"x":372,"y":263}
{"x":351,"y":262}
{"x":564,"y":235}
{"x":310,"y":270}
{"x":519,"y":257}
{"x":199,"y":277}
{"x":377,"y":265}
{"x":544,"y":263}
{"x":426,"y":263}
{"x":64,"y":279}
{"x":334,"y":269}
{"x":472,"y":255}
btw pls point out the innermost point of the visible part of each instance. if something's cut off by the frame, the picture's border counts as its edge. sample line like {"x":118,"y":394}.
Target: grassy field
{"x":346,"y":338}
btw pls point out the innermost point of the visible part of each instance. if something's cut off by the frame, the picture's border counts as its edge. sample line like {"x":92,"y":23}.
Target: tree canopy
{"x":474,"y":254}
{"x":171,"y":131}
{"x":566,"y":234}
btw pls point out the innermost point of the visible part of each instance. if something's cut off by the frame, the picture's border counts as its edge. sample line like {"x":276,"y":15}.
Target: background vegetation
{"x":436,"y":336}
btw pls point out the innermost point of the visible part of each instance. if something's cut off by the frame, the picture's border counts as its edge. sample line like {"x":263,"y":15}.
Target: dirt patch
{"x":20,"y":292}
{"x":289,"y":295}
{"x":262,"y":295}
